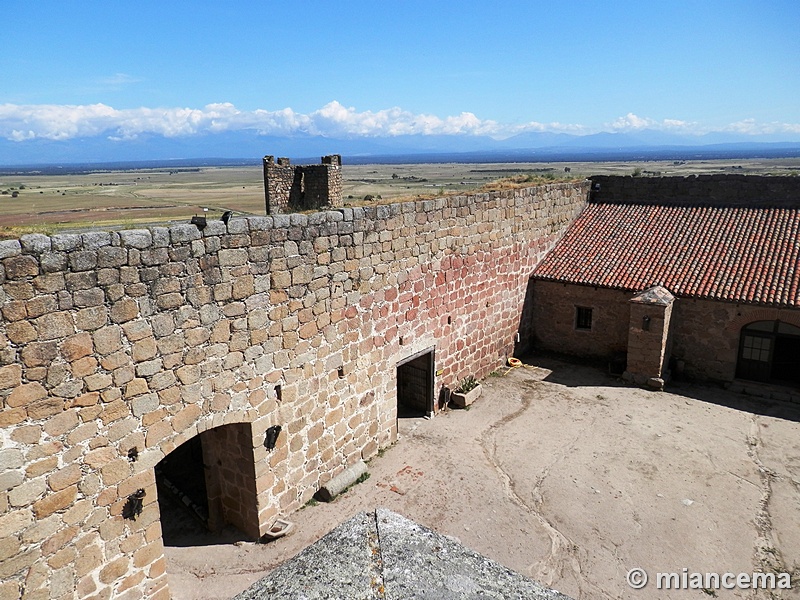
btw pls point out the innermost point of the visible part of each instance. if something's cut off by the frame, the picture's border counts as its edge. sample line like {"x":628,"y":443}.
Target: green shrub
{"x":467,"y":385}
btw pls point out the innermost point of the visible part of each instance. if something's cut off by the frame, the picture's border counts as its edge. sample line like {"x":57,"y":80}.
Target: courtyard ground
{"x":567,"y":476}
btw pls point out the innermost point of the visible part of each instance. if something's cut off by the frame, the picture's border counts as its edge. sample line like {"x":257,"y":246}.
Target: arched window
{"x":769,"y":351}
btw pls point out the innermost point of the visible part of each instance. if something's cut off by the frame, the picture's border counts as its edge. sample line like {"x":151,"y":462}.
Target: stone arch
{"x":769,"y":351}
{"x":212,"y":464}
{"x":750,"y":315}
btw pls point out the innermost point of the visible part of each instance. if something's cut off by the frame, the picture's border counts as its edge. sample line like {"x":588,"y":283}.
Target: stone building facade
{"x":552,"y":321}
{"x":705,"y":334}
{"x":696,"y":273}
{"x":119,"y":350}
{"x":289,"y":188}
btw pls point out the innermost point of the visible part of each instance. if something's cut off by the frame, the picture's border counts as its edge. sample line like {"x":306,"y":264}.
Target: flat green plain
{"x":126,"y":199}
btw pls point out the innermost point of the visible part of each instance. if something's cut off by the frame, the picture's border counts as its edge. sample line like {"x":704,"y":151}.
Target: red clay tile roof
{"x":734,"y":254}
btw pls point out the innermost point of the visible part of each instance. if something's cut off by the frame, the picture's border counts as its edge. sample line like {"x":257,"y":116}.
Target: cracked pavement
{"x":565,"y":475}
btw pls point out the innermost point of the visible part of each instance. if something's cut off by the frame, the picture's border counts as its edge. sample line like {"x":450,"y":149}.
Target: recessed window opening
{"x":583,"y":317}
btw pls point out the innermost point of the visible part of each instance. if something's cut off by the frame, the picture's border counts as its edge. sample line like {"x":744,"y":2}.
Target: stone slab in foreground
{"x":384,"y":555}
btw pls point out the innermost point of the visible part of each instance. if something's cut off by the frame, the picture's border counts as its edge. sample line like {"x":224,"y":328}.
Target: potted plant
{"x":466,"y":393}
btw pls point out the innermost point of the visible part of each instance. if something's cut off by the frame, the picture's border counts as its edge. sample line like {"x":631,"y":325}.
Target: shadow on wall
{"x":524,"y":343}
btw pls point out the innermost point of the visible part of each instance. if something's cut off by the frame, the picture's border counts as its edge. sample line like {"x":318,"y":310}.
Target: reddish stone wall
{"x":143,"y":339}
{"x":706,"y":334}
{"x":703,"y":333}
{"x":553,"y":319}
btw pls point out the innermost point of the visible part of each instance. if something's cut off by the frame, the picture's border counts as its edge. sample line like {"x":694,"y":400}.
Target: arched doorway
{"x":769,"y":351}
{"x":207,"y":483}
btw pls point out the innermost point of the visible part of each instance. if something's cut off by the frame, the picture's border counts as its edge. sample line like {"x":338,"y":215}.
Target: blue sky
{"x":370,"y":68}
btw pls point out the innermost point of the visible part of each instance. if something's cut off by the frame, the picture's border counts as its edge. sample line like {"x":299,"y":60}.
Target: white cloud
{"x":552,"y":127}
{"x":61,"y":122}
{"x":118,"y":80}
{"x":336,"y":119}
{"x":631,"y":122}
{"x":21,"y":136}
{"x":751,"y":127}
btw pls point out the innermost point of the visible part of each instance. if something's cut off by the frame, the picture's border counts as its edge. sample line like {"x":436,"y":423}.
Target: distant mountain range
{"x":247,"y":145}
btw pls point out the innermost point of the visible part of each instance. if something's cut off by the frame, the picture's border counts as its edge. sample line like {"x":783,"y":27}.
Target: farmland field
{"x":32,"y":202}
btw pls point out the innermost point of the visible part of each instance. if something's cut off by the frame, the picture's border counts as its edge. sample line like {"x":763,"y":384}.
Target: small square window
{"x":583,"y":317}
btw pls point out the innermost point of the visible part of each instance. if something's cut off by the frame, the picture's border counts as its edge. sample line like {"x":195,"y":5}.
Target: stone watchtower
{"x":290,"y":188}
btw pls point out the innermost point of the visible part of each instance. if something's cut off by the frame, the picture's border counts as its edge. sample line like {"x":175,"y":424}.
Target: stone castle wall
{"x":117,"y":347}
{"x":698,"y":190}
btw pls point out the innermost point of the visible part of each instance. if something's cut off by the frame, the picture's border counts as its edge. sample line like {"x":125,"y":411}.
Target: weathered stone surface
{"x":61,"y":424}
{"x":92,"y":318}
{"x":114,"y":570}
{"x":342,"y":481}
{"x":26,"y":394}
{"x":94,"y":240}
{"x":9,"y":248}
{"x":20,"y":267}
{"x":136,"y":238}
{"x":144,"y":404}
{"x":21,"y":332}
{"x":82,"y":261}
{"x":107,"y":340}
{"x":124,"y":310}
{"x":54,"y":502}
{"x":47,"y":407}
{"x":55,"y":326}
{"x":184,"y":233}
{"x":64,"y":478}
{"x":66,"y":242}
{"x":11,"y":458}
{"x":35,"y":243}
{"x":77,"y":346}
{"x":144,"y":339}
{"x":10,"y":376}
{"x":384,"y":555}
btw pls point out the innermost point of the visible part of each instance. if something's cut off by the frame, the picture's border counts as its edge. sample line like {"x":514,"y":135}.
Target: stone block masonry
{"x":118,"y":347}
{"x":290,"y":188}
{"x":699,"y":190}
{"x":703,"y":334}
